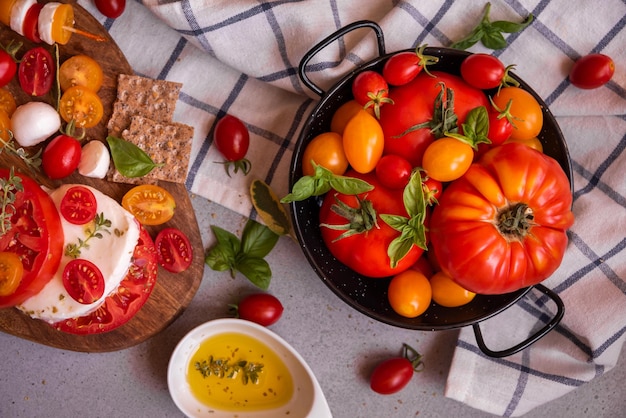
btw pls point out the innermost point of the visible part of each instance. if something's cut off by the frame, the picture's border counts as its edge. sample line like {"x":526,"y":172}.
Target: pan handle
{"x":332,"y":38}
{"x":530,"y":340}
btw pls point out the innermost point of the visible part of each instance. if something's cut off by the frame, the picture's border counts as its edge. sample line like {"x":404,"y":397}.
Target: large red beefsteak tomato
{"x":414,"y":104}
{"x":502,"y":226}
{"x":365,"y":247}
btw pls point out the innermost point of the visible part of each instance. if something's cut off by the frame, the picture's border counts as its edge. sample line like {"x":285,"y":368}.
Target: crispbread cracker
{"x":136,"y":95}
{"x":166,"y":143}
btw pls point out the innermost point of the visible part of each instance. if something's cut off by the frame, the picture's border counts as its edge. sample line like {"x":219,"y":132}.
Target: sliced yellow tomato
{"x":81,"y":105}
{"x":150,"y":204}
{"x":11,"y":272}
{"x":7,"y":102}
{"x":62,"y":19}
{"x":81,"y":70}
{"x":5,"y":126}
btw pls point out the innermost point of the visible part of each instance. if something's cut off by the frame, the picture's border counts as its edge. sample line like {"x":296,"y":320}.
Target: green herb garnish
{"x":222,"y":368}
{"x":8,"y":187}
{"x":32,"y":161}
{"x":130,"y":160}
{"x":100,"y":224}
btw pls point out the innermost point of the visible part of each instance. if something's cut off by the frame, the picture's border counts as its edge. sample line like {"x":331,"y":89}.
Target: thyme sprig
{"x":9,"y":187}
{"x":223,"y":368}
{"x":100,"y":224}
{"x":32,"y":161}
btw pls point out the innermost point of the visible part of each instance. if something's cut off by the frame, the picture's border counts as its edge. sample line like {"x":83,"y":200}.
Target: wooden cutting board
{"x":172,"y":292}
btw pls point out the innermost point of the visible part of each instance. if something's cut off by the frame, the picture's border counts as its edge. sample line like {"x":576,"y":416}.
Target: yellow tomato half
{"x":5,"y":126}
{"x":11,"y":272}
{"x":150,"y":204}
{"x":81,"y":105}
{"x":81,"y":70}
{"x":62,"y":19}
{"x":7,"y":102}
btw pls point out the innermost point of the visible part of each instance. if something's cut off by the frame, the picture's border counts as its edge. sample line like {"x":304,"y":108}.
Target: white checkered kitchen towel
{"x":241,"y":57}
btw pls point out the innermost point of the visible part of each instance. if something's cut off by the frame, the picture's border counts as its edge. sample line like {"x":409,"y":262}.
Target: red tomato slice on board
{"x":121,"y":305}
{"x":83,"y":281}
{"x":174,"y":251}
{"x":35,"y":234}
{"x":37,"y":72}
{"x":79,"y":205}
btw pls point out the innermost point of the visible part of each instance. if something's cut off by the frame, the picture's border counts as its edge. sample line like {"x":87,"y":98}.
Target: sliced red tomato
{"x":37,"y":72}
{"x":31,"y":23}
{"x":79,"y":205}
{"x":174,"y":251}
{"x":34,"y":233}
{"x":132,"y":293}
{"x":83,"y":281}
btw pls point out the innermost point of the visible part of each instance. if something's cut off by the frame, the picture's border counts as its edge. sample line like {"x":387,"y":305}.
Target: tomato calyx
{"x":70,"y":130}
{"x":361,"y":218}
{"x":507,"y":80}
{"x":377,"y":100}
{"x":515,"y":221}
{"x":413,"y":356}
{"x":244,"y":165}
{"x":425,"y":60}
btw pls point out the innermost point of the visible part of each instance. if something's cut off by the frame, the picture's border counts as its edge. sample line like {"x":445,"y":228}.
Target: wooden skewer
{"x":84,"y":33}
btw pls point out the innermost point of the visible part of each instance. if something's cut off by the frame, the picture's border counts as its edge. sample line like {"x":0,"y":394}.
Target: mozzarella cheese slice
{"x":45,"y":22}
{"x":112,"y":254}
{"x":18,"y":14}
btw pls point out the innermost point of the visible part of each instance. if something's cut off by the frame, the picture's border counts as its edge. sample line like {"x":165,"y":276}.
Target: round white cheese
{"x":18,"y":14}
{"x":45,"y":22}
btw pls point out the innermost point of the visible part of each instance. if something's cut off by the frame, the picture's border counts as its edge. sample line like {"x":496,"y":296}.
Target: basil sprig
{"x":245,"y":255}
{"x":130,"y":160}
{"x":490,"y":33}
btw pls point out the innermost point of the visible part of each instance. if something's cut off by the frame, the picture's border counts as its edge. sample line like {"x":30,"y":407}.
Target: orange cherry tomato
{"x":5,"y":11}
{"x":81,"y":70}
{"x":531,"y":142}
{"x":11,"y":272}
{"x":447,"y":159}
{"x":526,"y":111}
{"x":150,"y":204}
{"x":363,"y":142}
{"x":5,"y":127}
{"x":346,"y":111}
{"x":326,"y":150}
{"x":448,"y":293}
{"x":81,"y":105}
{"x":409,"y":293}
{"x":7,"y":102}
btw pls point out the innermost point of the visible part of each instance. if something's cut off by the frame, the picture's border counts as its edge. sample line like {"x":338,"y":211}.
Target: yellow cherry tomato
{"x":409,"y":293}
{"x":346,"y":111}
{"x":81,"y":105}
{"x":448,"y":293}
{"x":81,"y":70}
{"x":447,"y":159}
{"x":363,"y":141}
{"x":11,"y":272}
{"x":326,"y":150}
{"x":5,"y":11}
{"x":526,"y":111}
{"x":62,"y":19}
{"x":150,"y":204}
{"x":5,"y":126}
{"x":531,"y":142}
{"x":7,"y":102}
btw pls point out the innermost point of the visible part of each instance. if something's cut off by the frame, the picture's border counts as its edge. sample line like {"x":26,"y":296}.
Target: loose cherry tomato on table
{"x":363,"y":142}
{"x":81,"y":70}
{"x":370,"y":90}
{"x":261,"y":308}
{"x":61,"y":156}
{"x":524,"y":109}
{"x":403,"y":67}
{"x":592,"y":71}
{"x":37,"y":72}
{"x":78,"y":205}
{"x":83,"y":281}
{"x":150,"y":204}
{"x":11,"y":272}
{"x":393,"y":171}
{"x":232,"y":139}
{"x":485,"y":71}
{"x":81,"y":105}
{"x":409,"y":293}
{"x":394,"y":374}
{"x":446,"y":292}
{"x":111,"y":8}
{"x":326,"y":150}
{"x":35,"y":235}
{"x":174,"y":251}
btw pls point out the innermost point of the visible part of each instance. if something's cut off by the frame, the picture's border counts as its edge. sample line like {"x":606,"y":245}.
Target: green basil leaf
{"x":512,"y":27}
{"x":493,"y":39}
{"x":478,"y":120}
{"x":397,"y":222}
{"x":321,"y":182}
{"x":350,"y":185}
{"x":413,"y":195}
{"x":470,"y":40}
{"x":256,"y":270}
{"x":398,"y":249}
{"x":130,"y":160}
{"x":220,"y":258}
{"x":269,"y":207}
{"x":257,"y":240}
{"x":226,"y":238}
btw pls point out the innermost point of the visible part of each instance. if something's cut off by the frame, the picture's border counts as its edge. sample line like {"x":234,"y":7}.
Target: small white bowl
{"x":307,"y":401}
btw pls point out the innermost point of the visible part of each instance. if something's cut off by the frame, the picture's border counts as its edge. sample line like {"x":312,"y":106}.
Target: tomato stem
{"x":515,"y":220}
{"x":360,"y":219}
{"x":413,"y":356}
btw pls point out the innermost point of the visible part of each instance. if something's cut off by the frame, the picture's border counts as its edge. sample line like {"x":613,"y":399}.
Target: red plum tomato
{"x":592,"y":71}
{"x":261,"y":308}
{"x":393,"y":171}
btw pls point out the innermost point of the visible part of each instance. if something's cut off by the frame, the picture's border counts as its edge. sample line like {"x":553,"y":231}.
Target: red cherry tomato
{"x":8,"y":68}
{"x":78,"y":205}
{"x":370,"y":89}
{"x":394,"y":374}
{"x":30,"y":27}
{"x":83,"y":281}
{"x":232,"y":139}
{"x":592,"y":71}
{"x":500,"y":127}
{"x":174,"y":251}
{"x":262,"y":308}
{"x":111,"y":8}
{"x":37,"y":72}
{"x":61,"y":157}
{"x":482,"y":71}
{"x":393,"y":171}
{"x":432,"y":190}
